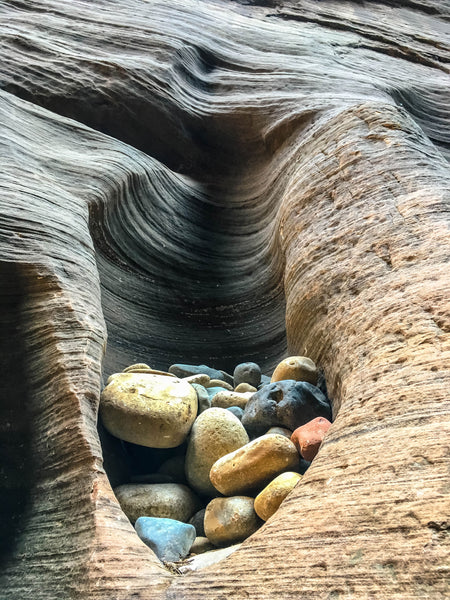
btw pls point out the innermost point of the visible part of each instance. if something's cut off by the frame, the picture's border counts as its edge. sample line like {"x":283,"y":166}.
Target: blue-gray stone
{"x":286,"y":403}
{"x":237,"y":411}
{"x":212,"y":391}
{"x":180,"y":370}
{"x":248,"y":372}
{"x":265,"y":380}
{"x":170,"y":540}
{"x":204,"y":401}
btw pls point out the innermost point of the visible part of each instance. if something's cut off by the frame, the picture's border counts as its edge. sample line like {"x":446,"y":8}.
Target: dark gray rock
{"x":198,"y":522}
{"x":181,"y":370}
{"x":170,"y":540}
{"x":286,"y":403}
{"x":204,"y":399}
{"x":248,"y":372}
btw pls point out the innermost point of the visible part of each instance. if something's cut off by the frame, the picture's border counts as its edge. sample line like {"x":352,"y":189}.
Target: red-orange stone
{"x":308,"y":437}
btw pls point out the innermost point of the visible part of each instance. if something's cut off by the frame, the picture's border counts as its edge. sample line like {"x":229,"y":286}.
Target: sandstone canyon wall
{"x":215,"y":181}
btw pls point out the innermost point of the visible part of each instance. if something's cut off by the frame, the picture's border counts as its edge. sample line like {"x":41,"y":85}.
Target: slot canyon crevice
{"x":209,"y":182}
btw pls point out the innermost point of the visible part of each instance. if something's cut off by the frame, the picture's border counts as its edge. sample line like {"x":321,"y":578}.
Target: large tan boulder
{"x":148,"y":409}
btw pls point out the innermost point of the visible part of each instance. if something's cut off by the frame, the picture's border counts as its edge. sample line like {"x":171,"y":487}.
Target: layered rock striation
{"x":227,"y":182}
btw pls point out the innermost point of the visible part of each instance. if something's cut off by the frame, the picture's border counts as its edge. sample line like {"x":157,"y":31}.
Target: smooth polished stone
{"x":245,"y":387}
{"x":168,"y":500}
{"x":216,"y":432}
{"x":252,"y":466}
{"x":299,"y":368}
{"x":230,"y":520}
{"x":248,"y":372}
{"x":226,"y":399}
{"x":309,"y":437}
{"x":219,"y":383}
{"x":150,"y":410}
{"x":269,"y":499}
{"x":237,"y":412}
{"x":169,"y":539}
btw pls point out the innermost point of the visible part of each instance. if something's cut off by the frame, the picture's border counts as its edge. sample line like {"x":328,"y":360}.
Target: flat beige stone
{"x":252,"y":466}
{"x":245,"y":387}
{"x":227,"y":399}
{"x":148,"y":409}
{"x":268,"y":501}
{"x":220,"y":383}
{"x":163,"y":500}
{"x":198,"y":378}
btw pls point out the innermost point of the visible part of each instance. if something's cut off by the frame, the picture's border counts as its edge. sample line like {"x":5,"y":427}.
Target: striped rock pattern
{"x":218,"y":182}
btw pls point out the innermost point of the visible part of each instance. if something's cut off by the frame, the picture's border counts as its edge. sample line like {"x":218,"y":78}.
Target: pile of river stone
{"x":245,"y":441}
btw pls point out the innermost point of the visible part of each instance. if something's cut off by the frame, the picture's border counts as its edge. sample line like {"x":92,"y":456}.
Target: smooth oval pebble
{"x":212,"y":391}
{"x":169,"y":539}
{"x":248,"y":372}
{"x":230,"y":520}
{"x":245,"y":387}
{"x":268,"y":501}
{"x":216,"y":432}
{"x":299,"y":368}
{"x":199,"y":379}
{"x":281,"y":431}
{"x":164,"y":500}
{"x":150,"y":410}
{"x":254,"y":465}
{"x":219,"y":383}
{"x":226,"y":399}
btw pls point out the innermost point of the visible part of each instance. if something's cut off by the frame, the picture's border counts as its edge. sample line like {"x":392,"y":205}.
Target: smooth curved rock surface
{"x":222,"y":182}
